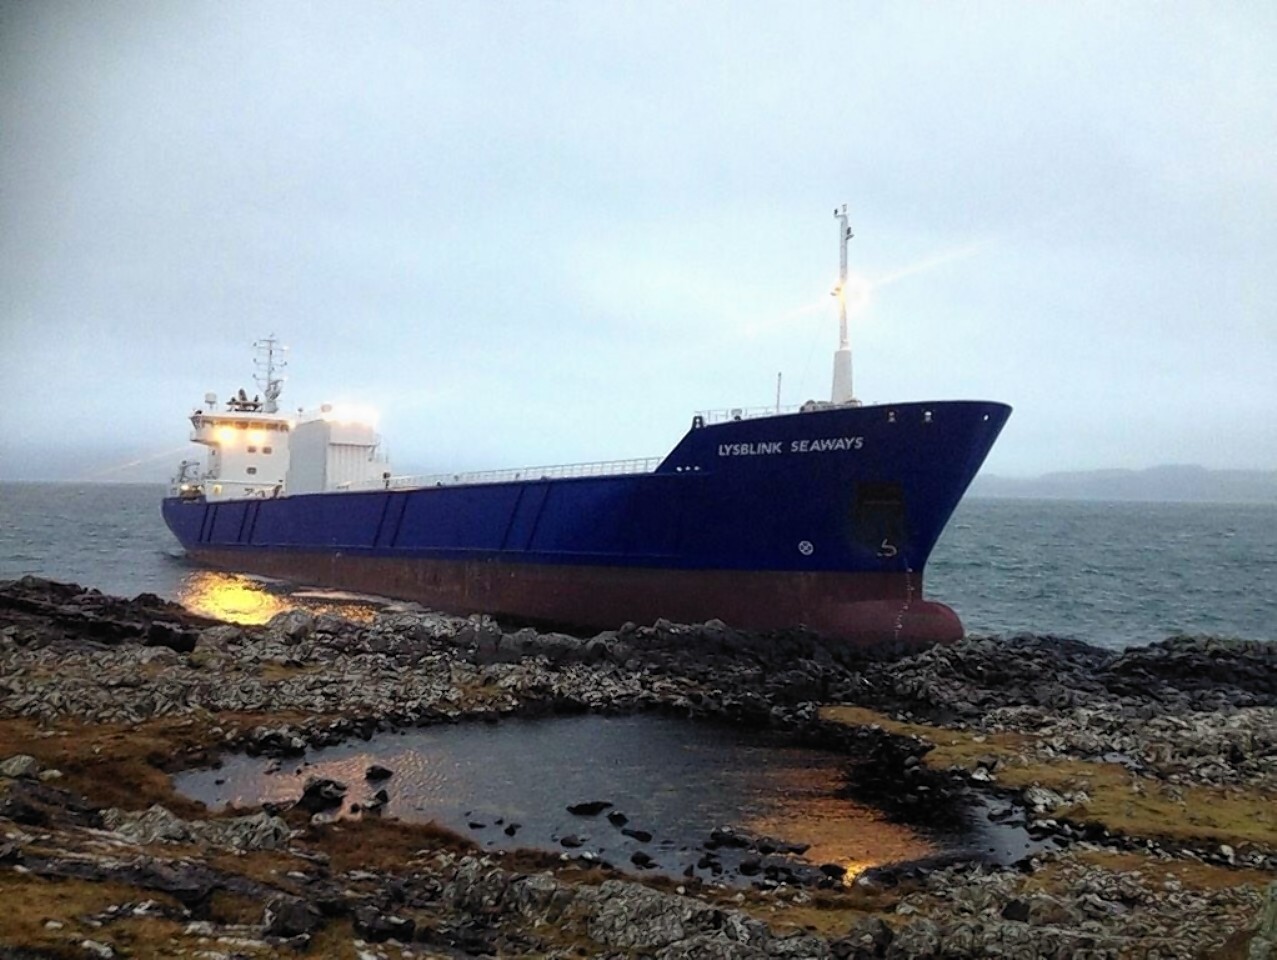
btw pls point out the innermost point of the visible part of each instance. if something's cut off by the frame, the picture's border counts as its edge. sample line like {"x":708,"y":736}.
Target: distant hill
{"x":1190,"y":483}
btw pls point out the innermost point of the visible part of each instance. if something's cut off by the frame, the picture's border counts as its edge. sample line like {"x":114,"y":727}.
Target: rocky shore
{"x":1150,"y":776}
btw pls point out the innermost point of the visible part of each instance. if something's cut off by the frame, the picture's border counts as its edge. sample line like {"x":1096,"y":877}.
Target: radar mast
{"x":842,"y":392}
{"x":270,"y":362}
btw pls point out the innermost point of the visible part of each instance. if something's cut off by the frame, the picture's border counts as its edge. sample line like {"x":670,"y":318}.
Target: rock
{"x":21,"y":765}
{"x":257,"y":831}
{"x":869,"y":937}
{"x":1048,"y":911}
{"x":1042,"y":800}
{"x":571,"y":841}
{"x":724,"y":837}
{"x":277,"y":742}
{"x":379,"y":927}
{"x":96,"y":949}
{"x":321,"y":793}
{"x":540,"y":897}
{"x":292,"y":625}
{"x":641,"y":860}
{"x":1263,"y":945}
{"x":220,"y":636}
{"x":286,"y":916}
{"x":631,"y":917}
{"x":377,"y":772}
{"x":1016,"y":911}
{"x":642,"y":836}
{"x":156,"y":825}
{"x":1188,"y":712}
{"x":919,"y":938}
{"x":590,"y":808}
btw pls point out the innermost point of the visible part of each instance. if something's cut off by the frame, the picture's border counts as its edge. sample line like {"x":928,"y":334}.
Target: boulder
{"x":379,"y":927}
{"x":21,"y":765}
{"x":258,"y":831}
{"x":1263,"y":945}
{"x":321,"y":793}
{"x":286,"y":916}
{"x":590,"y":808}
{"x":157,"y":824}
{"x":292,"y":625}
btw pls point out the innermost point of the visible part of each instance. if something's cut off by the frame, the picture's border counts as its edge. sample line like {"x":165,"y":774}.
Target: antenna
{"x":270,"y":361}
{"x":842,"y":392}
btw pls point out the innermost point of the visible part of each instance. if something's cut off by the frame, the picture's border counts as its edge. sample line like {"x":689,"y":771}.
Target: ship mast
{"x":842,"y":392}
{"x":270,"y":361}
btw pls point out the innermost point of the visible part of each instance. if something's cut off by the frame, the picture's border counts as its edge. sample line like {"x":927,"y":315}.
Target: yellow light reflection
{"x":229,"y":597}
{"x":240,"y":599}
{"x":804,"y":808}
{"x":225,"y":435}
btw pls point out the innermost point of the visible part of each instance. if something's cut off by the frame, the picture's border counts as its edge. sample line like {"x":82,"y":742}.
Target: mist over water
{"x":1114,"y":574}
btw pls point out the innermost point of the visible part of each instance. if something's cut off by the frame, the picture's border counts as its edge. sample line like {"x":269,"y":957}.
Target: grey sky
{"x":547,"y":232}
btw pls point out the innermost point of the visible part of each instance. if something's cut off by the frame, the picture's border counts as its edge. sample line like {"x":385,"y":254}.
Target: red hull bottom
{"x":863,"y":608}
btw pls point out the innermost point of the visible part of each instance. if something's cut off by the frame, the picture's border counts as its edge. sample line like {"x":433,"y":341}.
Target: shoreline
{"x":1151,"y":772}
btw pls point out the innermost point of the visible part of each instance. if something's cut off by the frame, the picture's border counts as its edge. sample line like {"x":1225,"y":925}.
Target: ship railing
{"x":599,"y":468}
{"x":743,"y":413}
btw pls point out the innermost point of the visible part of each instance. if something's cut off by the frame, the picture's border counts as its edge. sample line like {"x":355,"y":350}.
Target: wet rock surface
{"x":1186,"y":714}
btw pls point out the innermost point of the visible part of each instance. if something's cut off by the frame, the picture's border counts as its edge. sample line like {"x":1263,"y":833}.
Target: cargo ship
{"x":820,"y":517}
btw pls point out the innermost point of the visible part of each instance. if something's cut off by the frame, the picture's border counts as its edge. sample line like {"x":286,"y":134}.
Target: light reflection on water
{"x":675,"y":779}
{"x":246,"y":600}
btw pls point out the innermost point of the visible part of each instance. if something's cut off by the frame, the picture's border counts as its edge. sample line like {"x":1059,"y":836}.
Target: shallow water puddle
{"x":509,"y":785}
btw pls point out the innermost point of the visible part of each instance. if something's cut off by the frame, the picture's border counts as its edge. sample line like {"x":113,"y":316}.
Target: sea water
{"x":1113,"y":574}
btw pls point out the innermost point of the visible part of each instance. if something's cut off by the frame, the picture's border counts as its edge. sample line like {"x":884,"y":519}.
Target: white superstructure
{"x":335,"y":450}
{"x":255,"y":451}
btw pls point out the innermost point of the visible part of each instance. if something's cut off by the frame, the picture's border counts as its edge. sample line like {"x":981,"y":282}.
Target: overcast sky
{"x":543,"y":232}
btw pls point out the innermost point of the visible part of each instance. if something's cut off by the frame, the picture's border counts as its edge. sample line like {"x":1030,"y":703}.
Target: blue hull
{"x":843,"y":505}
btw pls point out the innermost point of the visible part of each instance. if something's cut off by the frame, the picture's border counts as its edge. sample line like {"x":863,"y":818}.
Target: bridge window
{"x":252,"y":470}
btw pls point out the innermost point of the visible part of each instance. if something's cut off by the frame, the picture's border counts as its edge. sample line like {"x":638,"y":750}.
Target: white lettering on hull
{"x":748,"y":449}
{"x":821,"y":445}
{"x":826,"y":444}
